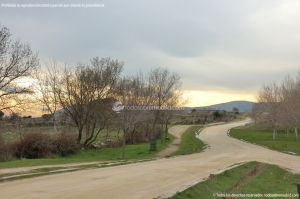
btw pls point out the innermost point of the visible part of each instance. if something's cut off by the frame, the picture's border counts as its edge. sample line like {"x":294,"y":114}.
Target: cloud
{"x":213,"y":45}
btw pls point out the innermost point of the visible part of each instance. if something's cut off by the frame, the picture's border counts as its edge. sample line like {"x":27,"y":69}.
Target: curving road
{"x":162,"y":177}
{"x":177,"y":132}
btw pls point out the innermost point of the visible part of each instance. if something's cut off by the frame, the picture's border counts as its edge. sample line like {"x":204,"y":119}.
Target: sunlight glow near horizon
{"x":204,"y":98}
{"x":191,"y":98}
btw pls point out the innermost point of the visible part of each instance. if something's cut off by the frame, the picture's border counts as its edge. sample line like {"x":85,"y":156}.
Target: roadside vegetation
{"x":202,"y":117}
{"x":278,"y":106}
{"x":249,"y":178}
{"x":276,"y":117}
{"x":285,"y":141}
{"x":189,"y":142}
{"x":133,"y":152}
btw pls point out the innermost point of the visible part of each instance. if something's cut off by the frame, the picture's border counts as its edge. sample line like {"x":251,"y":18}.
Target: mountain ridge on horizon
{"x":242,"y":105}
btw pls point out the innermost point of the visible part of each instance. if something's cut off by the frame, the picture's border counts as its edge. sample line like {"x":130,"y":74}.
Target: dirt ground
{"x":176,"y":131}
{"x":159,"y":178}
{"x":30,"y":168}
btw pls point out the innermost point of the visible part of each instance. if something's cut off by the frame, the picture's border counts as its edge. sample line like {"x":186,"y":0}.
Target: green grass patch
{"x":189,"y":143}
{"x":249,"y":178}
{"x":263,"y":136}
{"x":136,"y":151}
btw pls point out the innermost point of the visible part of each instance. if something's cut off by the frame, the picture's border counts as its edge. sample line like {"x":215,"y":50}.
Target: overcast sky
{"x":223,"y":50}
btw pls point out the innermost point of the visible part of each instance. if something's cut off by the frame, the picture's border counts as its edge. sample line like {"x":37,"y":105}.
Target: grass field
{"x":189,"y":143}
{"x":137,"y":151}
{"x":13,"y":133}
{"x":263,"y":136}
{"x":250,"y":178}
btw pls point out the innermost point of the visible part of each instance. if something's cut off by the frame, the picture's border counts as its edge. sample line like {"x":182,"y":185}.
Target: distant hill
{"x":243,"y":106}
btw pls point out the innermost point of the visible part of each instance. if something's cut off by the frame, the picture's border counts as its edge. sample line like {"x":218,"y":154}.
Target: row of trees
{"x":85,"y":93}
{"x":279,"y":105}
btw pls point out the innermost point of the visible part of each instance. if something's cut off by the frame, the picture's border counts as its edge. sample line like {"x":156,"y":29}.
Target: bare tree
{"x":17,"y":61}
{"x":270,"y":102}
{"x":164,"y":87}
{"x":291,"y":104}
{"x":132,"y":92}
{"x":47,"y":89}
{"x":279,"y":105}
{"x":82,"y":92}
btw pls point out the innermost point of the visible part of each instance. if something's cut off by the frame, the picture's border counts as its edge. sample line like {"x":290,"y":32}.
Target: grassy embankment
{"x":136,"y":151}
{"x":263,"y":136}
{"x":189,"y":143}
{"x":250,"y":178}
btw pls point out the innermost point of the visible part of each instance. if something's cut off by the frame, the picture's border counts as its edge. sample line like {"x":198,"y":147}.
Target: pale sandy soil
{"x":153,"y":179}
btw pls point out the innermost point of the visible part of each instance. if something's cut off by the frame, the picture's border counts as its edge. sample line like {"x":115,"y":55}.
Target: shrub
{"x":5,"y":150}
{"x":65,"y":144}
{"x":33,"y":145}
{"x":113,"y":143}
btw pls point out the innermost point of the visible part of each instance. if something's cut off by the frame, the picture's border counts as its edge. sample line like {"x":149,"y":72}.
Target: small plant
{"x":5,"y":150}
{"x":33,"y":145}
{"x":65,"y":144}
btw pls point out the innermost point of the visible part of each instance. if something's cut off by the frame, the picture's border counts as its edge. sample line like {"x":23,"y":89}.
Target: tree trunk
{"x":166,"y":130}
{"x":123,"y":145}
{"x":54,"y":125}
{"x":90,"y":131}
{"x":296,"y":132}
{"x":107,"y":133}
{"x":274,"y":133}
{"x":79,"y":135}
{"x":162,"y":135}
{"x":95,"y":137}
{"x":152,"y":146}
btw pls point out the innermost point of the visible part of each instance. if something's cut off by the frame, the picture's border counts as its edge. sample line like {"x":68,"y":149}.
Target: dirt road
{"x":150,"y":179}
{"x":177,"y":132}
